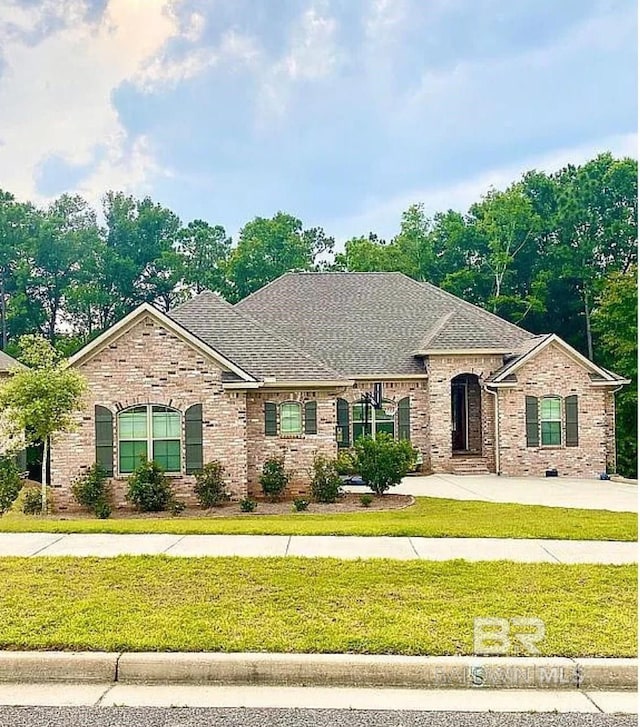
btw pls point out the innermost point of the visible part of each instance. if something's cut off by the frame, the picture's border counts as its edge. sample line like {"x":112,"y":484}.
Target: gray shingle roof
{"x":374,"y":323}
{"x":260,"y":352}
{"x":8,"y":363}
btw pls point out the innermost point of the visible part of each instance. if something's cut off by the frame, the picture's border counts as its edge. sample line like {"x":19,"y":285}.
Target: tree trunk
{"x":587,"y":319}
{"x":45,"y":473}
{"x":3,"y":312}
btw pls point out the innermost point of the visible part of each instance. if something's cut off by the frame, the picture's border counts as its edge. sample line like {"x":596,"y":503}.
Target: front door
{"x":459,"y":417}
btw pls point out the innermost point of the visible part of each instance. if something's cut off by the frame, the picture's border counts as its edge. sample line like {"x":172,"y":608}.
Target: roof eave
{"x":462,"y":351}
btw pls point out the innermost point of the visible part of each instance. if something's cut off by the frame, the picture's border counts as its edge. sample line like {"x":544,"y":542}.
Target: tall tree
{"x":203,"y":253}
{"x":267,"y":248}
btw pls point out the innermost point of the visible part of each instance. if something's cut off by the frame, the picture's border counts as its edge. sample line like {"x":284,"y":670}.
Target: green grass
{"x":302,"y":605}
{"x":429,"y":517}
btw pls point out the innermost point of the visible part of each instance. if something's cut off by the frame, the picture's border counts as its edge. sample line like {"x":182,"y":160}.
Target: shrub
{"x":347,"y":463}
{"x":10,"y":483}
{"x":31,"y":500}
{"x":210,"y":487}
{"x":325,"y":482}
{"x":274,"y":479}
{"x":149,"y":488}
{"x":90,"y":489}
{"x":300,"y":504}
{"x":176,"y":507}
{"x":248,"y":505}
{"x":366,"y":500}
{"x":102,"y":510}
{"x":383,"y":461}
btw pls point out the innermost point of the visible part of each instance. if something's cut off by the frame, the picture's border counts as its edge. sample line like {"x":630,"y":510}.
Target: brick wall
{"x":553,"y":372}
{"x":442,"y":369}
{"x":150,"y":365}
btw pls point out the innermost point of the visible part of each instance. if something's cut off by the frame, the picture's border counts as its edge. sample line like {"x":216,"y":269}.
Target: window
{"x":154,"y":432}
{"x":376,"y":421}
{"x":290,"y":418}
{"x":551,"y":421}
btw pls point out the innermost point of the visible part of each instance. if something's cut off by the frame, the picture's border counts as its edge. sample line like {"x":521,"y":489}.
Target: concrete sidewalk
{"x":308,"y":546}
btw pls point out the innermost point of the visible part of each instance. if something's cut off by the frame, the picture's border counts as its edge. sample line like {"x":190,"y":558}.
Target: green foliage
{"x":210,"y":486}
{"x":10,"y":483}
{"x":248,"y":505}
{"x":90,"y":489}
{"x":149,"y":488}
{"x":366,"y":500}
{"x":346,"y":462}
{"x":325,"y":482}
{"x":300,"y":504}
{"x":176,"y":507}
{"x":274,"y":479}
{"x":30,"y":500}
{"x":384,"y":461}
{"x":103,"y":511}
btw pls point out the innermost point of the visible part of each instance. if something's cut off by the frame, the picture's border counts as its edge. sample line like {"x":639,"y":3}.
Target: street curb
{"x":320,"y":670}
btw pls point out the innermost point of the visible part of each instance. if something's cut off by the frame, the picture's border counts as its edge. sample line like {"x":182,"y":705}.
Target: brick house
{"x":284,"y":372}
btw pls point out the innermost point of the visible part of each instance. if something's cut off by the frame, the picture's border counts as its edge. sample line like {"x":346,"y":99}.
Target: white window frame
{"x":150,"y":439}
{"x":373,"y":422}
{"x":300,"y":409}
{"x":560,"y":420}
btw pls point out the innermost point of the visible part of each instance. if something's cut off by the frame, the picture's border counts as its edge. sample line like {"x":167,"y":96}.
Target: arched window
{"x":368,"y":421}
{"x":150,"y":431}
{"x":290,"y":418}
{"x":551,"y":421}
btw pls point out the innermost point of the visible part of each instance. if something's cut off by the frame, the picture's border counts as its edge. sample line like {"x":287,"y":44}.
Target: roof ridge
{"x":264,"y":287}
{"x":203,"y":294}
{"x":433,"y":333}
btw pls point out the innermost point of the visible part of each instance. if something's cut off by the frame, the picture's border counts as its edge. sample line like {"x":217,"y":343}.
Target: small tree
{"x":325,"y":481}
{"x":383,"y":461}
{"x":41,"y":400}
{"x":274,"y":479}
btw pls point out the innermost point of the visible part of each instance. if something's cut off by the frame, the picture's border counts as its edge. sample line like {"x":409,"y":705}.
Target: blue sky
{"x":342,"y":112}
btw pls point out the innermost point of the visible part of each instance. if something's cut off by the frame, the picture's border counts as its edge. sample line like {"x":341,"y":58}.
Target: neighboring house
{"x":11,"y":442}
{"x":284,"y":372}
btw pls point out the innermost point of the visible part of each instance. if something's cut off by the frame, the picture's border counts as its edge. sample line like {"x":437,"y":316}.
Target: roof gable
{"x":145,"y":310}
{"x":8,"y":363}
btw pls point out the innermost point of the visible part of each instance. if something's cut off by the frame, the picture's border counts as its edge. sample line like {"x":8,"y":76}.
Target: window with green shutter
{"x":404,"y":418}
{"x":193,"y":439}
{"x":311,"y":417}
{"x":342,"y":420}
{"x":533,"y":435}
{"x":571,"y":420}
{"x":270,"y":419}
{"x":104,"y":438}
{"x":150,"y":431}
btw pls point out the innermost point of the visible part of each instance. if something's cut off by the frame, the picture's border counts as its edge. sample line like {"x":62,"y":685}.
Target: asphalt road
{"x":177,"y":717}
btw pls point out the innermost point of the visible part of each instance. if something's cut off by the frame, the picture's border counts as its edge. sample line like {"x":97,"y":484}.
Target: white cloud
{"x":312,"y":55}
{"x":383,"y":216}
{"x":60,"y":69}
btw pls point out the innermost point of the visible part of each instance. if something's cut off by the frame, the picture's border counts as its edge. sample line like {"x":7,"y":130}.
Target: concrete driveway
{"x":552,"y":491}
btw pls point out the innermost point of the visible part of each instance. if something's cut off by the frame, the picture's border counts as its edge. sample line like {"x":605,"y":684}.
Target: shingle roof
{"x":8,"y":363}
{"x":260,"y":352}
{"x":374,"y":323}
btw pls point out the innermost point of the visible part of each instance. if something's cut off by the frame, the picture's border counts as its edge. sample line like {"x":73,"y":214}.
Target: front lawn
{"x":429,"y":517}
{"x":156,"y":603}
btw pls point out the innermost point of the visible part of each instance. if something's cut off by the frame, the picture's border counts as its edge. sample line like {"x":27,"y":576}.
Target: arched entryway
{"x":466,"y":421}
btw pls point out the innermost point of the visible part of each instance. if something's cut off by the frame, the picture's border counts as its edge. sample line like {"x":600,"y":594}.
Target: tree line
{"x":553,"y":252}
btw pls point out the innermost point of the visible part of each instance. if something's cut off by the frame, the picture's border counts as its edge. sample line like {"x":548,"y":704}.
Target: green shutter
{"x":193,"y":439}
{"x":311,"y":417}
{"x":104,"y":438}
{"x":571,"y":421}
{"x":404,"y":418}
{"x":533,"y":436}
{"x":270,"y":419}
{"x":342,"y":418}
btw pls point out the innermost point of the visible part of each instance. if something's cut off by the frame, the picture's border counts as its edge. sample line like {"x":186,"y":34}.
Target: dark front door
{"x":458,"y":417}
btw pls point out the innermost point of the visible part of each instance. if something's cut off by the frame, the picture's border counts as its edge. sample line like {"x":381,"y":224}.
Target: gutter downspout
{"x":496,"y":433}
{"x":614,"y":454}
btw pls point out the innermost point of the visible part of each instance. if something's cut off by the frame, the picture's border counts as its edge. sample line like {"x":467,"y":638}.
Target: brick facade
{"x":150,"y":364}
{"x":554,"y":373}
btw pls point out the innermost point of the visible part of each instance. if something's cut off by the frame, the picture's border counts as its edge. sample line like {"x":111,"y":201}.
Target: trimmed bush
{"x":248,"y":505}
{"x":176,"y":507}
{"x":30,"y":500}
{"x":210,"y":486}
{"x":103,"y":510}
{"x":325,"y":482}
{"x":300,"y":504}
{"x":347,"y":462}
{"x":90,"y":490}
{"x":384,"y":461}
{"x":10,"y":483}
{"x":366,"y":500}
{"x":149,"y":489}
{"x":274,"y":479}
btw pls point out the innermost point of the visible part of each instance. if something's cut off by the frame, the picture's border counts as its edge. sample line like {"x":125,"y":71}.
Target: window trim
{"x":150,"y":439}
{"x":300,"y":429}
{"x":373,"y":421}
